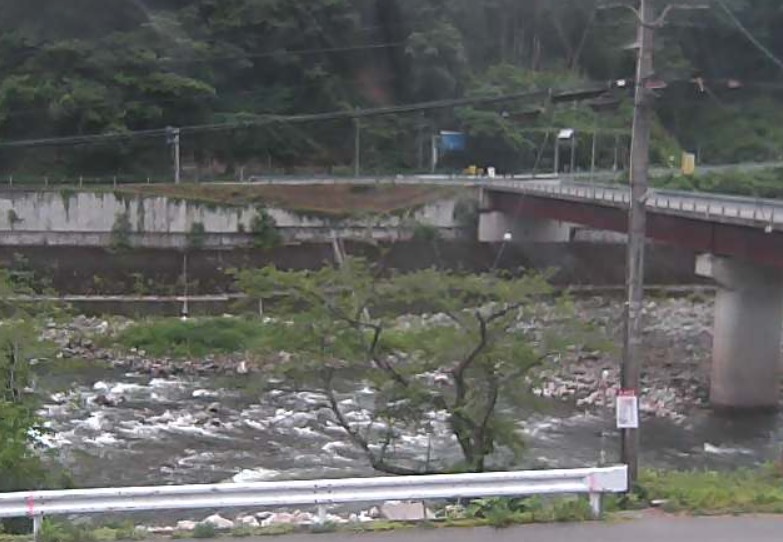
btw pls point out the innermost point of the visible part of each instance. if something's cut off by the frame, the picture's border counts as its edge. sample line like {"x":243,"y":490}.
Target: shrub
{"x":197,"y":235}
{"x":205,"y":530}
{"x":120,"y":232}
{"x":426,"y":233}
{"x":190,"y":338}
{"x":58,"y":531}
{"x":263,"y":228}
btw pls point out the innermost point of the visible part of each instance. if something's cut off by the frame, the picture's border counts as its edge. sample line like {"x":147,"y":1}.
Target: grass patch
{"x":379,"y":526}
{"x":745,"y":491}
{"x":503,"y":512}
{"x":61,"y":531}
{"x":276,"y":530}
{"x":191,"y":338}
{"x":205,"y":530}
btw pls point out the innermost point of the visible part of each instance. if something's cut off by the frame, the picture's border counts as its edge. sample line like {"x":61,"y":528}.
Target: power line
{"x":266,"y":119}
{"x":574,"y":94}
{"x":279,"y":52}
{"x":748,"y":34}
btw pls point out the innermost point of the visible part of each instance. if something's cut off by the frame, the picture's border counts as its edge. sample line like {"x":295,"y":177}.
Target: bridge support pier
{"x":494,"y":225}
{"x":746,"y":353}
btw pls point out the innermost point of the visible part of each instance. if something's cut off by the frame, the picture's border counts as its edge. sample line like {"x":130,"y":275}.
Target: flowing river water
{"x":205,"y":429}
{"x":187,"y":431}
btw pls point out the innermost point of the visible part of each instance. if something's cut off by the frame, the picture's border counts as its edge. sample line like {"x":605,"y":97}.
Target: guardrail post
{"x":321,"y":514}
{"x":595,"y":505}
{"x":37,"y":526}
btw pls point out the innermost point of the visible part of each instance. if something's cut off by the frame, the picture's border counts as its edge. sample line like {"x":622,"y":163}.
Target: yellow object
{"x":688,"y":163}
{"x":472,"y":170}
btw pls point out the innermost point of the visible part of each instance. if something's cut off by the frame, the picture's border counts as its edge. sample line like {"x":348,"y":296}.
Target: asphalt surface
{"x":665,"y":529}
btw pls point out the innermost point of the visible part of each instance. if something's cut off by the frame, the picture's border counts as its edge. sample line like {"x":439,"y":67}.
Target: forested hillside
{"x":100,"y":66}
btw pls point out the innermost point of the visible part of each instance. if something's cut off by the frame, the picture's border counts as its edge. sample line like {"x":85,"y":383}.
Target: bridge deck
{"x":725,"y":225}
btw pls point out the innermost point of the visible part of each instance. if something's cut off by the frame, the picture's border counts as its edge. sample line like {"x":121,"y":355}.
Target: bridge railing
{"x":321,"y":493}
{"x":766,"y":211}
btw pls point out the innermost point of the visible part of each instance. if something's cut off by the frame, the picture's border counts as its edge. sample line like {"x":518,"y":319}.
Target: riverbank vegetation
{"x":743,"y":491}
{"x":766,"y":183}
{"x":192,"y":338}
{"x":22,"y":466}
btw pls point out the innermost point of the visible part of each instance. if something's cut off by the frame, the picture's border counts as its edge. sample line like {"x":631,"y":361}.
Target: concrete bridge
{"x":741,"y":242}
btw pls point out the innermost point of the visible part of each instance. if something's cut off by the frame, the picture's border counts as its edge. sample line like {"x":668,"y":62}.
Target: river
{"x":186,"y":430}
{"x":212,"y":428}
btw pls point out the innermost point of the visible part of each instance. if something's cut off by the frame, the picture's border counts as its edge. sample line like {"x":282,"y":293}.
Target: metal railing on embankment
{"x":321,"y":493}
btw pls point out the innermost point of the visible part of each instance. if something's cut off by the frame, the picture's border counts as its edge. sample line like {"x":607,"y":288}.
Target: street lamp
{"x":507,"y":238}
{"x":566,"y":134}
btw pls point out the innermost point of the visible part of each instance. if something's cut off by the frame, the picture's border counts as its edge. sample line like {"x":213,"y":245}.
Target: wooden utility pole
{"x":172,"y":138}
{"x":637,"y":226}
{"x":637,"y":217}
{"x":357,"y":146}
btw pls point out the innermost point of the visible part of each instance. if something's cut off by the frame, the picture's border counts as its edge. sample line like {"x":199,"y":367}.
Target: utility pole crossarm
{"x":650,"y":21}
{"x":622,"y":6}
{"x":661,"y":20}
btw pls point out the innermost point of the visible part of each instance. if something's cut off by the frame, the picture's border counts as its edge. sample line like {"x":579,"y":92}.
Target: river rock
{"x":454,"y":511}
{"x":405,"y":511}
{"x":361,"y":517}
{"x":219,"y":522}
{"x":108,"y":400}
{"x":186,"y":525}
{"x":160,"y":530}
{"x":201,"y":418}
{"x":279,"y":518}
{"x":303,"y":518}
{"x":248,"y":521}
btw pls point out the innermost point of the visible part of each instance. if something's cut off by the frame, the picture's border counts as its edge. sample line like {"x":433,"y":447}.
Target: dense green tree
{"x":85,"y":67}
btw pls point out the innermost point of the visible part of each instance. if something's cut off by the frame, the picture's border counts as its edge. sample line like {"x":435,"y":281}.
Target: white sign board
{"x":627,"y":411}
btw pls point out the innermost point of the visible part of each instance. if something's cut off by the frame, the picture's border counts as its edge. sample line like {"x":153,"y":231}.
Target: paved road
{"x":458,"y":179}
{"x":744,"y":529}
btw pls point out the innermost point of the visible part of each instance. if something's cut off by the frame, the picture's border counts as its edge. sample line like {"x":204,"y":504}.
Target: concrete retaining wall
{"x":87,"y":219}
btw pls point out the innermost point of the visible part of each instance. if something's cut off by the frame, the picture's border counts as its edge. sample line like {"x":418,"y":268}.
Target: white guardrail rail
{"x":321,"y":493}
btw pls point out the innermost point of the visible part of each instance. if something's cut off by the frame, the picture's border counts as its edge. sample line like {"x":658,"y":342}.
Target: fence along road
{"x":321,"y":493}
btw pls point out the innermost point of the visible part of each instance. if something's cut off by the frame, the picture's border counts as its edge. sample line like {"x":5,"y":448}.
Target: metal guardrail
{"x":321,"y":493}
{"x":768,"y":212}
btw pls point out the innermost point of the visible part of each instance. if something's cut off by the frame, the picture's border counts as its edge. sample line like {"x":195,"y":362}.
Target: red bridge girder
{"x":748,"y":243}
